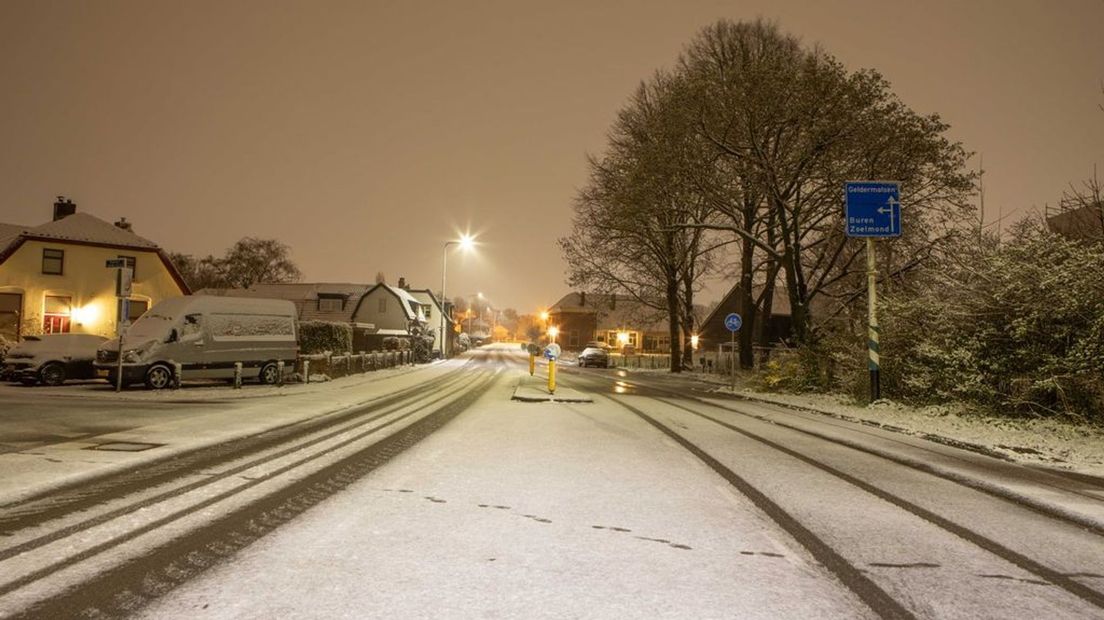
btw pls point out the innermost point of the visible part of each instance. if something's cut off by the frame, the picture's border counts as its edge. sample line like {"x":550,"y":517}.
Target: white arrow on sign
{"x":891,"y":201}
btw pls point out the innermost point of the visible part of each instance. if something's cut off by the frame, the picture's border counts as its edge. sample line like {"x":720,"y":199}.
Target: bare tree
{"x":792,"y":125}
{"x":250,"y":261}
{"x":258,"y":261}
{"x":628,"y":235}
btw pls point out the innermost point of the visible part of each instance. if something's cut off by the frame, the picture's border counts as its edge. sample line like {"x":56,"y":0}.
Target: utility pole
{"x":981,"y":197}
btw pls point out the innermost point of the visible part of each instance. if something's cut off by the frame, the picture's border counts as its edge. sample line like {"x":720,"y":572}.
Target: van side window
{"x":192,"y":326}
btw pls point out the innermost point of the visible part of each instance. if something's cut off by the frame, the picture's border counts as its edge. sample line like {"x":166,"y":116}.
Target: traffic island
{"x":535,"y":390}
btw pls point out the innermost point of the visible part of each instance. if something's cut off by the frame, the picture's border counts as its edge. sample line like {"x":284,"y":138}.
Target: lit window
{"x":56,"y":314}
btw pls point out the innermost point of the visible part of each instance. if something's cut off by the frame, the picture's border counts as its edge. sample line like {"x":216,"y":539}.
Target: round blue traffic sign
{"x":733,"y":322}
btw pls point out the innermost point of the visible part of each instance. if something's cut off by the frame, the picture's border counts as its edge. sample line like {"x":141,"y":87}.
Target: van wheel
{"x":52,"y":374}
{"x":270,"y":374}
{"x":158,"y":377}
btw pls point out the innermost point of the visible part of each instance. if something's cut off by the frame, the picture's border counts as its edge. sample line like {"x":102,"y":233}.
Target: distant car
{"x":594,"y":356}
{"x":51,"y":359}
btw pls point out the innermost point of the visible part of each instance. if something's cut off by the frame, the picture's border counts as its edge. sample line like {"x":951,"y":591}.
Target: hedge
{"x":323,"y":336}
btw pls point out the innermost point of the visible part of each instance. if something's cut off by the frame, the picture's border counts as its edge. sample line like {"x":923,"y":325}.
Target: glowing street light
{"x":466,"y":243}
{"x":553,"y":331}
{"x":544,"y":316}
{"x":694,"y":342}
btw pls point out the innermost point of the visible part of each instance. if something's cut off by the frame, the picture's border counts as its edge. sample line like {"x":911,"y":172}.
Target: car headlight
{"x":133,"y":356}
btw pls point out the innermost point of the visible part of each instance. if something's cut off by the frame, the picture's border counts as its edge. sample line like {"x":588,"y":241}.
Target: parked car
{"x":206,"y":336}
{"x":594,"y":356}
{"x":50,"y":359}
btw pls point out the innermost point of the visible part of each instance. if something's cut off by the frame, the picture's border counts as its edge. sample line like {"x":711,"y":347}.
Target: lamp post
{"x":465,"y":242}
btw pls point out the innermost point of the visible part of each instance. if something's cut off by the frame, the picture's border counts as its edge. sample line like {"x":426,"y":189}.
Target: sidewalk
{"x":1051,"y":443}
{"x":535,"y":389}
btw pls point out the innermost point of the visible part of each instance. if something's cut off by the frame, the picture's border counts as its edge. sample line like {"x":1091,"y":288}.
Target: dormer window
{"x":331,"y":304}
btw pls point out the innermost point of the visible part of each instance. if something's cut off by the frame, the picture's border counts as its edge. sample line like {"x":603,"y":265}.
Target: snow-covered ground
{"x":522,"y":510}
{"x":1045,"y":441}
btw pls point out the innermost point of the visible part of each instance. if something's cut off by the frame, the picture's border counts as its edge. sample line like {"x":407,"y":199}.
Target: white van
{"x":206,"y":335}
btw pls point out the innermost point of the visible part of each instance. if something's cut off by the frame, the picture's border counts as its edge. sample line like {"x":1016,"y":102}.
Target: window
{"x":382,"y":305}
{"x":11,"y":308}
{"x":428,"y":312}
{"x":192,"y":328}
{"x":53,"y":262}
{"x":330,"y":304}
{"x":137,"y":308}
{"x":133,"y":264}
{"x":56,"y":314}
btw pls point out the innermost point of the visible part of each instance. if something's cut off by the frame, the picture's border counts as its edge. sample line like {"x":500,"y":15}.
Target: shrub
{"x":1019,"y":327}
{"x":323,"y":336}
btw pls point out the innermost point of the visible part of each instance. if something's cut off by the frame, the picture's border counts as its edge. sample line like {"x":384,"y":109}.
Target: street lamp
{"x":553,"y":331}
{"x":466,"y":243}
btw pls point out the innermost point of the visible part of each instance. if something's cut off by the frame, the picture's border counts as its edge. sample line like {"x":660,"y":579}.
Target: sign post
{"x":733,"y":322}
{"x":124,"y":275}
{"x":872,"y":210}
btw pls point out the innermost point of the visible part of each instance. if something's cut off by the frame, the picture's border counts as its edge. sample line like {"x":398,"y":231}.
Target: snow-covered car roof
{"x":69,"y":344}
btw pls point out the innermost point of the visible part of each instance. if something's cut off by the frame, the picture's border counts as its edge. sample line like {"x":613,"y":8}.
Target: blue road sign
{"x":873,"y":209}
{"x":733,"y":322}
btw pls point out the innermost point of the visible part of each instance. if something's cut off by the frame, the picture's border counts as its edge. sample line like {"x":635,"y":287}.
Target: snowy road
{"x":653,"y":501}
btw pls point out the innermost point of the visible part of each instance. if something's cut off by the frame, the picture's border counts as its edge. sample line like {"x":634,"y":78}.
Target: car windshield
{"x":150,"y":326}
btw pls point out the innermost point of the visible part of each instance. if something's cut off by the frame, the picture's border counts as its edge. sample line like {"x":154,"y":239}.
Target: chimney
{"x":64,"y":208}
{"x":125,"y":225}
{"x":582,"y":298}
{"x":402,"y":283}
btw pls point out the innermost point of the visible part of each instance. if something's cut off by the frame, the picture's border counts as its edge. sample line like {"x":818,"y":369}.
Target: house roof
{"x":425,"y":295}
{"x":1084,"y":223}
{"x":613,"y":311}
{"x":9,"y":232}
{"x":409,"y":303}
{"x":305,"y":296}
{"x":86,"y":229}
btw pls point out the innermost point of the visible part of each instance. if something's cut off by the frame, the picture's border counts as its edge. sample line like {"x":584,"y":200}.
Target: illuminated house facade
{"x":54,"y":279}
{"x":614,"y":320}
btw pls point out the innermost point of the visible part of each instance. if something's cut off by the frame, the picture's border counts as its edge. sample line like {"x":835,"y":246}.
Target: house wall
{"x":576,"y":329}
{"x":85,"y":280}
{"x":433,"y":321}
{"x":393,"y":315}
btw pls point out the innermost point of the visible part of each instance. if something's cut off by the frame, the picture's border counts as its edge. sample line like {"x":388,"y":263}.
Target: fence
{"x":720,"y":362}
{"x":651,"y":361}
{"x":334,"y":366}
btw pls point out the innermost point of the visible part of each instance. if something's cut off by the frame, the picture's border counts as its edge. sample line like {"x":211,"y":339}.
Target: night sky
{"x":366,"y":134}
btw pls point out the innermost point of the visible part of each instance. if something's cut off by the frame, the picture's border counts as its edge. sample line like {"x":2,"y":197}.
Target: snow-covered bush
{"x":323,"y":336}
{"x":1017,"y":326}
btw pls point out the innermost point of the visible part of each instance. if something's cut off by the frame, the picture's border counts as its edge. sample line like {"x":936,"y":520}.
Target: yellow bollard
{"x":552,"y":376}
{"x":532,"y":364}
